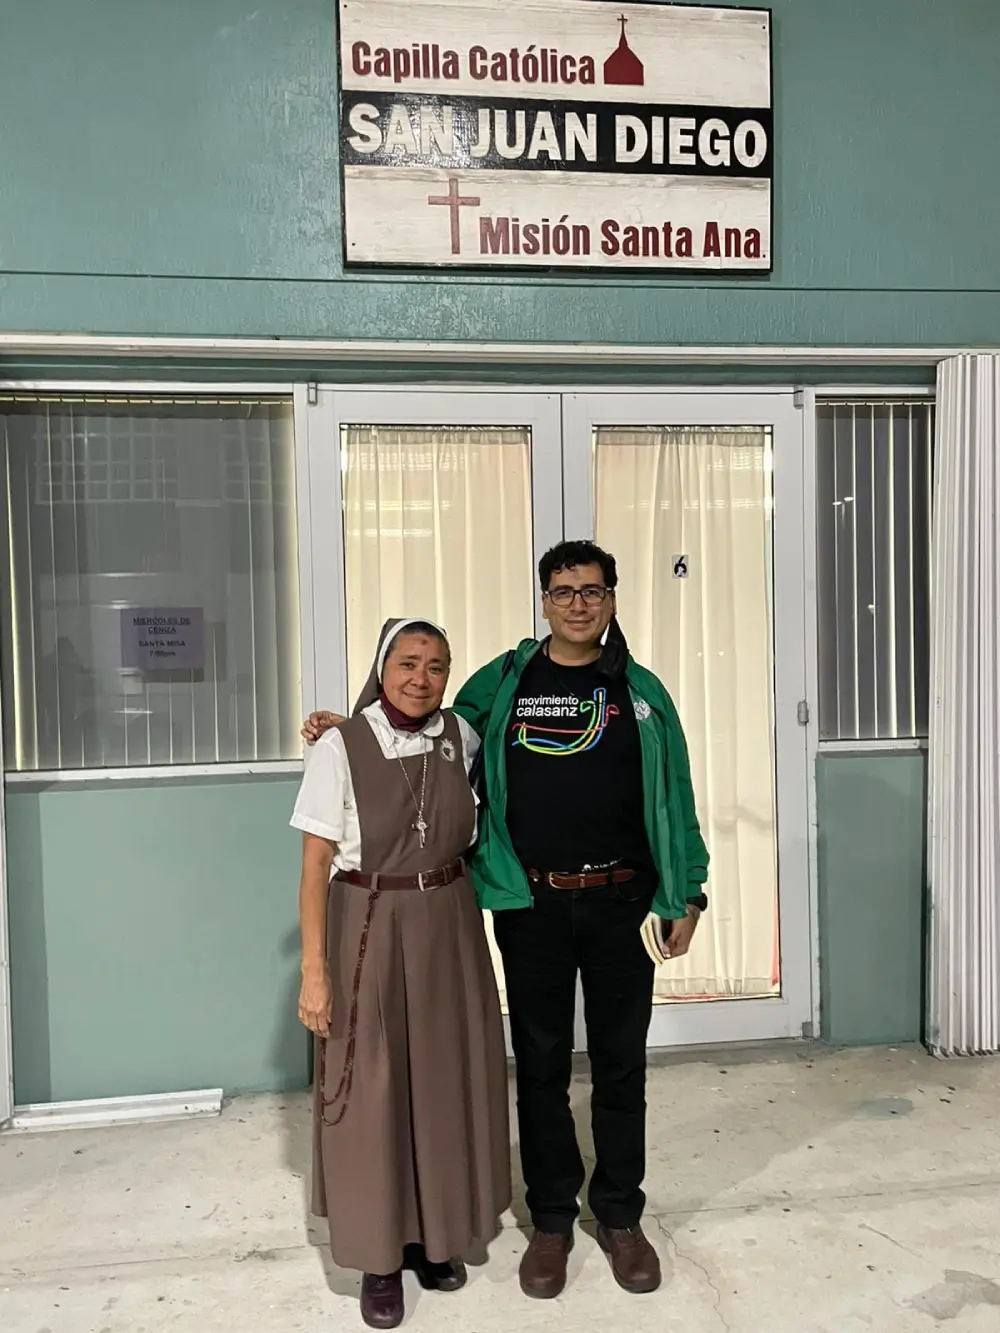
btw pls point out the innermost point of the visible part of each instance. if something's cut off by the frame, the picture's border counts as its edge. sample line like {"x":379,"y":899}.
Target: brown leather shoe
{"x":382,"y":1300}
{"x":634,"y":1262}
{"x":543,"y":1268}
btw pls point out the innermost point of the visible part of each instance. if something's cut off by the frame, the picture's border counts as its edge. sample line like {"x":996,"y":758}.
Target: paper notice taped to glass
{"x":163,"y":638}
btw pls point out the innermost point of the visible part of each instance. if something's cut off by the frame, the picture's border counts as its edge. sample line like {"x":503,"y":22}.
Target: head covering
{"x":372,"y":688}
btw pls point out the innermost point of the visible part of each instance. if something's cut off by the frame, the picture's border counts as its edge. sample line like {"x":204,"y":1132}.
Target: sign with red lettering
{"x":555,"y":134}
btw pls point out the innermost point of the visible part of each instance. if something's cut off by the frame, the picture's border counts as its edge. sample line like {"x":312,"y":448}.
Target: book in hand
{"x":655,"y":932}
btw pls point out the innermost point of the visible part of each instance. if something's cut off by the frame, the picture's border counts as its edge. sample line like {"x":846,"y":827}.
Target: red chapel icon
{"x":623,"y":66}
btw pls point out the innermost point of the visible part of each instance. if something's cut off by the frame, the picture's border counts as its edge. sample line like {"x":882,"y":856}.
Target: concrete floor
{"x":789,"y":1190}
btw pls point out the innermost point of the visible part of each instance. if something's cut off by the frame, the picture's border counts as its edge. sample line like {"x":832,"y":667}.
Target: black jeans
{"x":593,"y":932}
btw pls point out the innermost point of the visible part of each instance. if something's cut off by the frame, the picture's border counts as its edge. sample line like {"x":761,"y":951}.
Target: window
{"x":149,"y":612}
{"x":874,"y":473}
{"x":706,"y":491}
{"x":437,"y":522}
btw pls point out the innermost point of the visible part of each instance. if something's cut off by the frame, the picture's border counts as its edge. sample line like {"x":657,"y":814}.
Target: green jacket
{"x":486,"y":701}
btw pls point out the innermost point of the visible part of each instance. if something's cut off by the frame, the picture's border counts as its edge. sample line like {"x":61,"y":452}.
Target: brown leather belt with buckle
{"x":588,"y":879}
{"x":426,"y":879}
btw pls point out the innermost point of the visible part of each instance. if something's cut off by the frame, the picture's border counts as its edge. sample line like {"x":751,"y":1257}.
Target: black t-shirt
{"x":574,"y":770}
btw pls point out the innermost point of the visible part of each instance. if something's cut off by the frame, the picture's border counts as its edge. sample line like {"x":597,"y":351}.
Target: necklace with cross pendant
{"x":420,"y":824}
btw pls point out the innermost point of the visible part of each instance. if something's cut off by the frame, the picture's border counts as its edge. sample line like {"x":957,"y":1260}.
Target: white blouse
{"x":326,"y":805}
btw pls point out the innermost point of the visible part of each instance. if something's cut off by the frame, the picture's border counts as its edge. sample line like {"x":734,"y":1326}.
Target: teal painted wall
{"x":172,"y":169}
{"x":871,"y":811}
{"x":154,"y":939}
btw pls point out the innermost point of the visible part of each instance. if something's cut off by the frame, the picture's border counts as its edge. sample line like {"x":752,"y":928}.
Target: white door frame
{"x":320,"y":501}
{"x":6,"y":1035}
{"x":723,"y":1021}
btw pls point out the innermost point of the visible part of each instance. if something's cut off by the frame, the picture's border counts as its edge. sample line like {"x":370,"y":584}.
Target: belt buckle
{"x":420,"y":881}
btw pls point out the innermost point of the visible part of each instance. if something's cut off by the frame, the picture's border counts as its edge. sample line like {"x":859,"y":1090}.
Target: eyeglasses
{"x":591,"y":595}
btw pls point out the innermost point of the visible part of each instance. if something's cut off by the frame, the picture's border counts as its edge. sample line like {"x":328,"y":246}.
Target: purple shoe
{"x":382,"y":1300}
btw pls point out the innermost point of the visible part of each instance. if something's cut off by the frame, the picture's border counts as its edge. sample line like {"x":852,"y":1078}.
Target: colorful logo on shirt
{"x":559,"y":741}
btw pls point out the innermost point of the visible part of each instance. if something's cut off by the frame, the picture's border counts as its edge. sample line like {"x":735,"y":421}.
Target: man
{"x":588,"y":824}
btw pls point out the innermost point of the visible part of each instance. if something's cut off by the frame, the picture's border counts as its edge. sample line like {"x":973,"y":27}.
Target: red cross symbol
{"x":454,"y":201}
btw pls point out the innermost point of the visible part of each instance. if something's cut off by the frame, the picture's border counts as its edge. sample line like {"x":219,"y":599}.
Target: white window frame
{"x":180,"y":389}
{"x":861,"y":394}
{"x":793,"y":1012}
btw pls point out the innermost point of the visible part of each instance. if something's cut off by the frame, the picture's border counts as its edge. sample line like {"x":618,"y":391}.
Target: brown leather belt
{"x":426,"y":879}
{"x":588,"y":879}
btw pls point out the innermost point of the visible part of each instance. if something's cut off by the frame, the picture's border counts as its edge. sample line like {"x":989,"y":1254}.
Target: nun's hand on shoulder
{"x":317,"y":723}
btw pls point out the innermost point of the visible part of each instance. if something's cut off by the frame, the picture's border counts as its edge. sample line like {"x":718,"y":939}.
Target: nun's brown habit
{"x":411,"y":1124}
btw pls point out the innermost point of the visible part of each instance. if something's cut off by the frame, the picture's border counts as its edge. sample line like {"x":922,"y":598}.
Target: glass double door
{"x":447,"y":502}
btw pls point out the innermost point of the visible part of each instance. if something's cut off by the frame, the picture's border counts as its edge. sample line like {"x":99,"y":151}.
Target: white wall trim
{"x":385,"y":352}
{"x":811,"y":650}
{"x":108,"y":1111}
{"x":291,"y":392}
{"x":303,"y":516}
{"x":35,"y":778}
{"x":322,"y":557}
{"x":154,"y":388}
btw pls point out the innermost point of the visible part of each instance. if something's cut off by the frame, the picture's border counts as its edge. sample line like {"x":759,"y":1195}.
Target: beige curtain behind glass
{"x":438,"y":523}
{"x":705,"y":494}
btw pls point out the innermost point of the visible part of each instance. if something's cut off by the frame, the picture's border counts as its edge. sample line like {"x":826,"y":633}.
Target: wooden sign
{"x":555,"y":134}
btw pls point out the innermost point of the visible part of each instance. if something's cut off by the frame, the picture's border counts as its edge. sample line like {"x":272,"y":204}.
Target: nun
{"x":411,"y":1139}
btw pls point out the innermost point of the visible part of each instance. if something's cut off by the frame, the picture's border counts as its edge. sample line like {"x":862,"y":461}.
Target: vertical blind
{"x":874,"y":465}
{"x":111,"y":504}
{"x":963,"y":1009}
